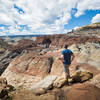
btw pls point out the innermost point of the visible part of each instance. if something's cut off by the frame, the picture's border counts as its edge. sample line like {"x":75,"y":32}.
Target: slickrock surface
{"x":88,"y":53}
{"x":77,"y":92}
{"x":30,"y":68}
{"x":27,"y":70}
{"x":96,"y":80}
{"x":44,"y":85}
{"x":84,"y":92}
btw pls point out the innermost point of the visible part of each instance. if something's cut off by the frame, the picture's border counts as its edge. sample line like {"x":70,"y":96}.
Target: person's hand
{"x":72,"y":57}
{"x":59,"y":58}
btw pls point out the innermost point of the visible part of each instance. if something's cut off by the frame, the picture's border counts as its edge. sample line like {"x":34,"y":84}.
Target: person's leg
{"x":66,"y":72}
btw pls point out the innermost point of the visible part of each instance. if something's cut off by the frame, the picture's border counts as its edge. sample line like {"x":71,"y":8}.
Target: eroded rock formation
{"x":84,"y":92}
{"x":36,"y":67}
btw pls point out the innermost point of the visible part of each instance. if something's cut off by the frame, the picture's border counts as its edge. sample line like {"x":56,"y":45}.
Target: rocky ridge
{"x":89,"y":30}
{"x":9,"y":52}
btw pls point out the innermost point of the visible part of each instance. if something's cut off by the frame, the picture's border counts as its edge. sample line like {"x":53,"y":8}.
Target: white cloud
{"x":96,"y":18}
{"x":83,"y":5}
{"x":4,"y":19}
{"x":76,"y":27}
{"x":45,"y":16}
{"x":42,"y":16}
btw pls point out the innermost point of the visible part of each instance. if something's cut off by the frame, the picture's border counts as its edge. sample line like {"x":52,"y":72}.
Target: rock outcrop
{"x":7,"y":53}
{"x":28,"y":95}
{"x":88,"y":53}
{"x":89,"y":30}
{"x":4,"y":44}
{"x":5,"y":59}
{"x":59,"y":82}
{"x":89,"y":33}
{"x":5,"y":89}
{"x":22,"y":45}
{"x":80,"y":76}
{"x":31,"y":70}
{"x":44,"y":85}
{"x":96,"y":81}
{"x":28,"y":69}
{"x":84,"y":92}
{"x":77,"y":77}
{"x":60,"y":40}
{"x":79,"y":91}
{"x":4,"y":54}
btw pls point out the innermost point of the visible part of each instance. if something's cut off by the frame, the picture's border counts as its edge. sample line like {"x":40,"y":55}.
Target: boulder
{"x":57,"y":68}
{"x":80,"y":76}
{"x":59,"y":82}
{"x":5,"y":89}
{"x":83,"y":91}
{"x":2,"y":50}
{"x":3,"y":81}
{"x":96,"y":81}
{"x":28,"y":69}
{"x":88,"y":53}
{"x":44,"y":85}
{"x":3,"y":84}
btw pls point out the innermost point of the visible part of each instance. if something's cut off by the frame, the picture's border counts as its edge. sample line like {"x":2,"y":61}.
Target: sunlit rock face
{"x":96,"y":80}
{"x":28,"y":69}
{"x":89,"y":30}
{"x":72,"y":38}
{"x":88,"y":53}
{"x":83,"y":92}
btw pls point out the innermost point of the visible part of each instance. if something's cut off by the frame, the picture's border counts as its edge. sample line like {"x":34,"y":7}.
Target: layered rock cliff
{"x":89,"y":30}
{"x":9,"y":52}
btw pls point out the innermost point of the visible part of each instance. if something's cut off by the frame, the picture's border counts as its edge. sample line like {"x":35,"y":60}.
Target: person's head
{"x":65,"y":46}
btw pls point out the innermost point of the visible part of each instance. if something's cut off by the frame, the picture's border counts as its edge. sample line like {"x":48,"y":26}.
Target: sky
{"x":25,"y":17}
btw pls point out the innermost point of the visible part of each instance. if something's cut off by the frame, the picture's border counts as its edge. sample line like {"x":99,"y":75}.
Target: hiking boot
{"x":68,"y":84}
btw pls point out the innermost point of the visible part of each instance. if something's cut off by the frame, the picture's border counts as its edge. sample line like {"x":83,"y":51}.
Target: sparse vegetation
{"x":90,"y":26}
{"x":97,"y":23}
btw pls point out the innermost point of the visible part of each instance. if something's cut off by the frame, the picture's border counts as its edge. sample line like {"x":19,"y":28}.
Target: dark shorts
{"x":66,"y":67}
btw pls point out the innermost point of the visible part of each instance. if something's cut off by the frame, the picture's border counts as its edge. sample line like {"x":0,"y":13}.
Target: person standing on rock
{"x":67,"y":57}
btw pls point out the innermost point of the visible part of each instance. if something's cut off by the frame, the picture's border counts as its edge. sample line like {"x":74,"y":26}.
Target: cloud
{"x":96,"y":18}
{"x":84,"y":5}
{"x":41,"y":16}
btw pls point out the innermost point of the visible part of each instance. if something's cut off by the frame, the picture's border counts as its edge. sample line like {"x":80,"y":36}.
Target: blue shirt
{"x":67,"y":56}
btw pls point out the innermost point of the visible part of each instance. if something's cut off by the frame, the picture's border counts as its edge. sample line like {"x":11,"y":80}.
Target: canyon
{"x":33,"y":68}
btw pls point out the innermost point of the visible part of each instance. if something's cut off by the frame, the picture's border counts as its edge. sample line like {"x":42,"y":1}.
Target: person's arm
{"x":72,"y":57}
{"x":62,"y":58}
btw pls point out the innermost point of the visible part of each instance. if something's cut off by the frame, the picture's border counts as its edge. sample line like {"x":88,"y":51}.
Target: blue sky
{"x":22,"y":17}
{"x":82,"y":20}
{"x":20,"y":10}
